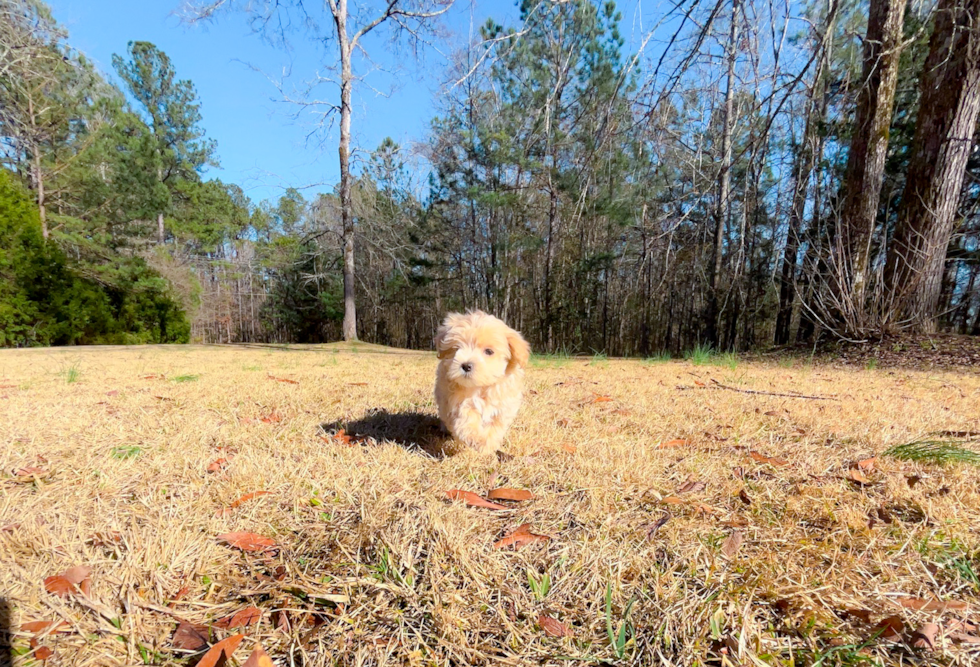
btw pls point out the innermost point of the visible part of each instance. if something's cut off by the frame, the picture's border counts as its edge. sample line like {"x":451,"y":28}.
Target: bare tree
{"x":948,"y":110}
{"x":349,"y":28}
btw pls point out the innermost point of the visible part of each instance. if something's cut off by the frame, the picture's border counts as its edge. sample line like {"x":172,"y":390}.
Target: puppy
{"x":480,"y":378}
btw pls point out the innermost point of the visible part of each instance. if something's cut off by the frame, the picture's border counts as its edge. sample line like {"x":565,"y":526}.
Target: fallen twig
{"x":719,"y":385}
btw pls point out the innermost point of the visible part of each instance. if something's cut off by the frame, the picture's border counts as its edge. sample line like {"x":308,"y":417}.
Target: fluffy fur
{"x":480,"y":378}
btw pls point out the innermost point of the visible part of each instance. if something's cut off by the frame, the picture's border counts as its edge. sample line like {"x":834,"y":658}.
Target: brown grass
{"x":376,"y":567}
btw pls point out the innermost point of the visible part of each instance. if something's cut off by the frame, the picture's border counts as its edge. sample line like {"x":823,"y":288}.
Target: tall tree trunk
{"x":866,"y":157}
{"x":723,"y":206}
{"x":806,"y":161}
{"x":37,"y":174}
{"x":948,"y":110}
{"x":346,"y":212}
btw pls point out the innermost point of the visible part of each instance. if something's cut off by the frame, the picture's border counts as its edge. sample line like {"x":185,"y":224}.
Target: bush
{"x":44,"y":301}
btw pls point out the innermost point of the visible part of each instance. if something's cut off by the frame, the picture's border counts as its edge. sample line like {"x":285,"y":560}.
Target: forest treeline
{"x":740,"y":175}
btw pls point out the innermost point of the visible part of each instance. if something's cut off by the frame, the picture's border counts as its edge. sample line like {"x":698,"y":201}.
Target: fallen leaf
{"x":734,"y":522}
{"x":510,"y":494}
{"x":602,"y":399}
{"x":701,"y":508}
{"x":931,"y":605}
{"x":247,"y":497}
{"x":963,"y":632}
{"x":862,"y":614}
{"x":259,"y":658}
{"x":190,"y":637}
{"x":39,"y":627}
{"x":179,"y":595}
{"x":219,"y":654}
{"x":913,"y":480}
{"x":866,"y":465}
{"x":473,"y":500}
{"x":731,"y":545}
{"x":30,"y":474}
{"x":657,"y":525}
{"x":357,"y":384}
{"x":773,"y":413}
{"x":218,"y":466}
{"x":699,"y":383}
{"x":771,"y":460}
{"x":521,"y":536}
{"x":925,"y":636}
{"x":890,"y":629}
{"x":571,"y":449}
{"x":113,"y":392}
{"x":554,"y":628}
{"x":59,"y":586}
{"x":43,"y":653}
{"x":247,"y":541}
{"x":281,"y":620}
{"x":744,"y":497}
{"x":676,"y":442}
{"x":857,"y":477}
{"x":621,"y":412}
{"x":77,"y":574}
{"x":271,"y":418}
{"x":154,"y":376}
{"x":241,"y":619}
{"x":672,"y":500}
{"x":692,"y":487}
{"x":286,"y":380}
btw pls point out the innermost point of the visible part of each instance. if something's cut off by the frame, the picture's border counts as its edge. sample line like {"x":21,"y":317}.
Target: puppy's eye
{"x":488,"y":352}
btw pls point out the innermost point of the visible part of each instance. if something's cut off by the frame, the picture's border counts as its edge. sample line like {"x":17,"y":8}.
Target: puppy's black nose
{"x":466,"y":367}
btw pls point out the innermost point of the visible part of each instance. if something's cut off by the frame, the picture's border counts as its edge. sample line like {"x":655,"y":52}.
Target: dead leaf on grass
{"x":240,"y":619}
{"x":866,"y":465}
{"x":919,"y":604}
{"x":285,"y":380}
{"x":259,"y":658}
{"x":554,"y":628}
{"x":890,"y":629}
{"x":692,"y":486}
{"x":218,"y":466}
{"x":571,"y":449}
{"x":190,"y":637}
{"x":925,"y":636}
{"x":510,"y":494}
{"x":731,"y":545}
{"x":247,"y":541}
{"x":30,"y":474}
{"x":862,"y":614}
{"x":43,"y":653}
{"x":521,"y":536}
{"x":857,"y":477}
{"x":473,"y":500}
{"x":40,"y":627}
{"x":774,"y":461}
{"x":676,"y":442}
{"x":271,"y":418}
{"x":58,"y":585}
{"x":701,"y":508}
{"x":657,"y":525}
{"x":671,"y":500}
{"x":744,"y":497}
{"x":913,"y":480}
{"x":243,"y":499}
{"x":219,"y":654}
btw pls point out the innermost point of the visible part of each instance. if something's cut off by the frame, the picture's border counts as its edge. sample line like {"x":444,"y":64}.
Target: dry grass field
{"x":691,"y":512}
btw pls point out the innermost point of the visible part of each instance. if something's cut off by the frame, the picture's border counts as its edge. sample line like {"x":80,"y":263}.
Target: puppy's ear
{"x":520,"y":351}
{"x":444,"y":349}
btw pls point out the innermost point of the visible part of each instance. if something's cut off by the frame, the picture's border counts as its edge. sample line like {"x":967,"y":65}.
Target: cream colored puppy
{"x":480,"y":378}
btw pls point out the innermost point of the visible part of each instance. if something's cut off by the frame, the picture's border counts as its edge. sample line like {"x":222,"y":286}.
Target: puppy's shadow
{"x":414,"y":431}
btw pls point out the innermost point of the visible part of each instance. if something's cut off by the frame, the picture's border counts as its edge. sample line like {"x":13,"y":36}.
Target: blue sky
{"x":260,"y":144}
